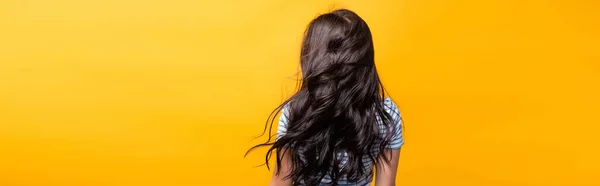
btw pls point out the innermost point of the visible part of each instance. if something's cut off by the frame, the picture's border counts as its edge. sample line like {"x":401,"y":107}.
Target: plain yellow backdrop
{"x":171,"y":92}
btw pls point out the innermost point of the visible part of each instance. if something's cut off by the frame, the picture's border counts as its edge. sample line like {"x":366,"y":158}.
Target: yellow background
{"x":170,"y":92}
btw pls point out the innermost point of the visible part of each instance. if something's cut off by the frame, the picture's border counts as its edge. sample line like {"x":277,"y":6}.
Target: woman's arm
{"x":284,"y":170}
{"x":385,"y":174}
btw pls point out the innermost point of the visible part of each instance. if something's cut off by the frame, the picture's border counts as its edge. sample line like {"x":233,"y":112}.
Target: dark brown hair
{"x":338,"y":104}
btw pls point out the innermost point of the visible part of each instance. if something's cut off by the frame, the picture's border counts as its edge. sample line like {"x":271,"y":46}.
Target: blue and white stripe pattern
{"x":397,"y":141}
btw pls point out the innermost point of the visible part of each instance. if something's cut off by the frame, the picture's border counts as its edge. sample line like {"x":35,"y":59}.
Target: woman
{"x":340,"y":125}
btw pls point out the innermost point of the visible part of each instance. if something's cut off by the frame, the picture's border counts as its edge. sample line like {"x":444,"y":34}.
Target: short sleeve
{"x":283,"y":122}
{"x":394,"y":112}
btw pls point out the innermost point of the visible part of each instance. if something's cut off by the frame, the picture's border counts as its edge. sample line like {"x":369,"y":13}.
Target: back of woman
{"x":339,"y":125}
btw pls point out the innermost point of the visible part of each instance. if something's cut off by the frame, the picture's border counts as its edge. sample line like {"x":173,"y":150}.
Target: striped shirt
{"x":397,"y":141}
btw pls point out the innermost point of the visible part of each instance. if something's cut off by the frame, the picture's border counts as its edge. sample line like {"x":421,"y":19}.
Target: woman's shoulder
{"x":389,"y":104}
{"x":391,"y":107}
